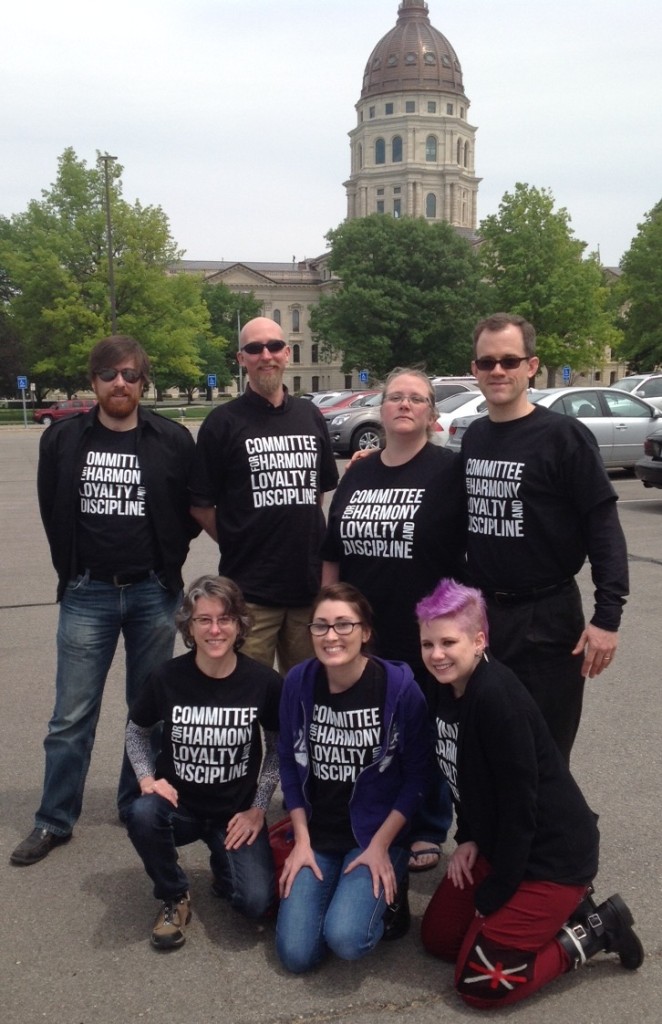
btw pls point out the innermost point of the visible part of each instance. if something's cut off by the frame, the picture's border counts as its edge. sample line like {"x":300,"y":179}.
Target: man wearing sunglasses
{"x":113,"y":495}
{"x":262,"y":464}
{"x":539,"y":503}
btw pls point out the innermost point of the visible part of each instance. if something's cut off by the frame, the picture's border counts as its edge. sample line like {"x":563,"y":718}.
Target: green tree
{"x":55,"y":258}
{"x":228,"y":311}
{"x":410,"y":294}
{"x":640,"y":290}
{"x":537,"y":268}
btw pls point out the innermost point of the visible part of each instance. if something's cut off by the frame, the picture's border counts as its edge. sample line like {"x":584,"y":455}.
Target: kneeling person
{"x":211,"y":780}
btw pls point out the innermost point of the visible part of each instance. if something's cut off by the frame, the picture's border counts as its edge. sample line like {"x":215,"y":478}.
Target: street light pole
{"x":109,"y":236}
{"x":241,"y":369}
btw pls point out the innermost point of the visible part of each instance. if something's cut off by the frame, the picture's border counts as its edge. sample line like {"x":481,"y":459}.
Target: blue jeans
{"x":434,"y":817}
{"x":92,"y":617}
{"x":244,"y":876}
{"x":339,"y":913}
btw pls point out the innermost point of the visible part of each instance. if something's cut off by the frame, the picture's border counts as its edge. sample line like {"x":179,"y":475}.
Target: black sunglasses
{"x":109,"y":373}
{"x":256,"y":348}
{"x":507,"y":363}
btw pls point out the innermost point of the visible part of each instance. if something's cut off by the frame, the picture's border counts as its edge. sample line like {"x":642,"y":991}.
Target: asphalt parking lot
{"x":74,"y":943}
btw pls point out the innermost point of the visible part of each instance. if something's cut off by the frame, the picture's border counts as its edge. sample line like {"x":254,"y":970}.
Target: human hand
{"x":244,"y":827}
{"x":161,"y":787}
{"x":378,"y":862}
{"x":461,"y":863}
{"x":302,"y":856}
{"x":599,"y":649}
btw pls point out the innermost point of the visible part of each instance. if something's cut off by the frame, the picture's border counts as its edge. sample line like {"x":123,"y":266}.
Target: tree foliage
{"x":228,"y":312}
{"x":641,"y":292}
{"x":530,"y":255}
{"x":56,"y":261}
{"x":410,"y":294}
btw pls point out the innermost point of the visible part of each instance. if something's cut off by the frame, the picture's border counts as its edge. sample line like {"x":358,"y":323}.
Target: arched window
{"x":295,"y":321}
{"x":314,"y":354}
{"x":466,"y":154}
{"x":396,"y":149}
{"x":431,"y":148}
{"x":380,"y":151}
{"x":430,"y":205}
{"x":296,"y":353}
{"x":276,"y":316}
{"x":360,"y":155}
{"x":459,"y":151}
{"x":296,"y":384}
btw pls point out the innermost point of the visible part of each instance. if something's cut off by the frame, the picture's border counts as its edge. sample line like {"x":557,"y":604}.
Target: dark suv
{"x":62,"y":410}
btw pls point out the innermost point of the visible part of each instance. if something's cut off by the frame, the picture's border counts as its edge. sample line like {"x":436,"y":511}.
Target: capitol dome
{"x":413,"y":55}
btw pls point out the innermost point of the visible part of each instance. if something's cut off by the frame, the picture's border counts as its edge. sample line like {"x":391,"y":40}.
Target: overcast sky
{"x":232,"y":115}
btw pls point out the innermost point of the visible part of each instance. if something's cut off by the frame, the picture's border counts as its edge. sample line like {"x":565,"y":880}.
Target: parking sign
{"x":22,"y":383}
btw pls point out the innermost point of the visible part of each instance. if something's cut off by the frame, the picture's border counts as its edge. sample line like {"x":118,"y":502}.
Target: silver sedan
{"x":620,"y":422}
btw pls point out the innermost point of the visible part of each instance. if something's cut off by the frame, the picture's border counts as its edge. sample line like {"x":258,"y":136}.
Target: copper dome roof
{"x":413,"y":55}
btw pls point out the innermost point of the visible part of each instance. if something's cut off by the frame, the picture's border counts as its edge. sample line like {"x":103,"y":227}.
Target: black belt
{"x":521,"y":596}
{"x":121,"y":579}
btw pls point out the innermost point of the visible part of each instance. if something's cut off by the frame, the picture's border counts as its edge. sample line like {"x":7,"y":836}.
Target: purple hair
{"x":453,"y":599}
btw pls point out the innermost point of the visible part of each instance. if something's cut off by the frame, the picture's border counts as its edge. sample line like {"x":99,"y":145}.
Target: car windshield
{"x":454,"y":401}
{"x":628,"y":384}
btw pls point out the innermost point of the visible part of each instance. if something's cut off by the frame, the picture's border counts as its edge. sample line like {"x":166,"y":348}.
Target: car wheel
{"x":47,"y":420}
{"x":365,"y":439}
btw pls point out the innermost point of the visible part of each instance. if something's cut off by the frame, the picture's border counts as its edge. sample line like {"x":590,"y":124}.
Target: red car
{"x":63,"y":410}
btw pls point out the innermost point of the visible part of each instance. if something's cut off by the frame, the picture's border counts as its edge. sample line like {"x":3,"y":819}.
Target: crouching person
{"x":515,"y":909}
{"x":212,"y":779}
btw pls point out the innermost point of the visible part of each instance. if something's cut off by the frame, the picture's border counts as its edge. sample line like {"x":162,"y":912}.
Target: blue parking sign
{"x":22,"y":383}
{"x":211,"y":380}
{"x":566,"y":373}
{"x":363,"y":376}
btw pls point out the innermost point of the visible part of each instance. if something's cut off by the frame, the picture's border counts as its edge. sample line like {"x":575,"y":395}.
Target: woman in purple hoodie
{"x":355,"y":752}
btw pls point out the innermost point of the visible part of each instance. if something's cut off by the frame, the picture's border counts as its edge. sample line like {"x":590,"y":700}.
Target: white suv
{"x":446,"y":386}
{"x":645,"y":385}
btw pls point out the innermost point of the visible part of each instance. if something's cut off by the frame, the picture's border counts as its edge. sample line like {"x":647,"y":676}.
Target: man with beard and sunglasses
{"x":539,"y":504}
{"x":113,"y":496}
{"x":262,"y":464}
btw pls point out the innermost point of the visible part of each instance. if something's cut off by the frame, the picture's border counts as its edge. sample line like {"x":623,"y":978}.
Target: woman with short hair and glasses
{"x":213,"y":778}
{"x":355,"y":752}
{"x":397,"y":525}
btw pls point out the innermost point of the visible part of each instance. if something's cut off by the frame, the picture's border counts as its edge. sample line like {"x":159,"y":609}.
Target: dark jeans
{"x":535,"y":640}
{"x":244,"y":876}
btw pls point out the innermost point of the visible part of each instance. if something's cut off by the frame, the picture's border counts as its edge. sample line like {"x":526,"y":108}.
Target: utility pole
{"x":109,"y":236}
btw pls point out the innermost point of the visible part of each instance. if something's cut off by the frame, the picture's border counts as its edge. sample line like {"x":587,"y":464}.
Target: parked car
{"x":444,"y":387}
{"x":353,"y":430}
{"x":644,"y":385}
{"x":464,"y":403}
{"x":354,"y":399}
{"x":62,"y":410}
{"x":649,"y":468}
{"x":620,"y":422}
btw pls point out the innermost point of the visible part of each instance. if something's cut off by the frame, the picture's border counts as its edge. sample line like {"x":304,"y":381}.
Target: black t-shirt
{"x":113,"y":530}
{"x":211,"y":750}
{"x":445,"y":708}
{"x":395,"y":531}
{"x":264,"y":469}
{"x":345,"y":731}
{"x":531,"y":485}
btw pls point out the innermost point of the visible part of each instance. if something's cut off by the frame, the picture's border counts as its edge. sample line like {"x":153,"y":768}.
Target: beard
{"x":119,"y":405}
{"x":269,"y":381}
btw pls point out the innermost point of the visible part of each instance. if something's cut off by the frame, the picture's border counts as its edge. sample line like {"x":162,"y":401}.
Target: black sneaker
{"x":397,"y":917}
{"x":38,"y":845}
{"x":171,"y":922}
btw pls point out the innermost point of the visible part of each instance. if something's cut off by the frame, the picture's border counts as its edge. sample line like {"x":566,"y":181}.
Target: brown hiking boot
{"x":171,"y":922}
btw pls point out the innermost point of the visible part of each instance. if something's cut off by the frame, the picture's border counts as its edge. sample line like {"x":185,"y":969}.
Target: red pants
{"x":509,"y":955}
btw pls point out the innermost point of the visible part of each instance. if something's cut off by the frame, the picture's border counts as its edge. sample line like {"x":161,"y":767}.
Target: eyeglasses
{"x":341,"y":628}
{"x":256,"y":348}
{"x":110,"y":373}
{"x":396,"y":398}
{"x":507,"y":363}
{"x":207,"y":621}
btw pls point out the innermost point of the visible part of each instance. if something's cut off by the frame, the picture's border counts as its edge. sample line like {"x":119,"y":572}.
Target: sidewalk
{"x":74,"y":945}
